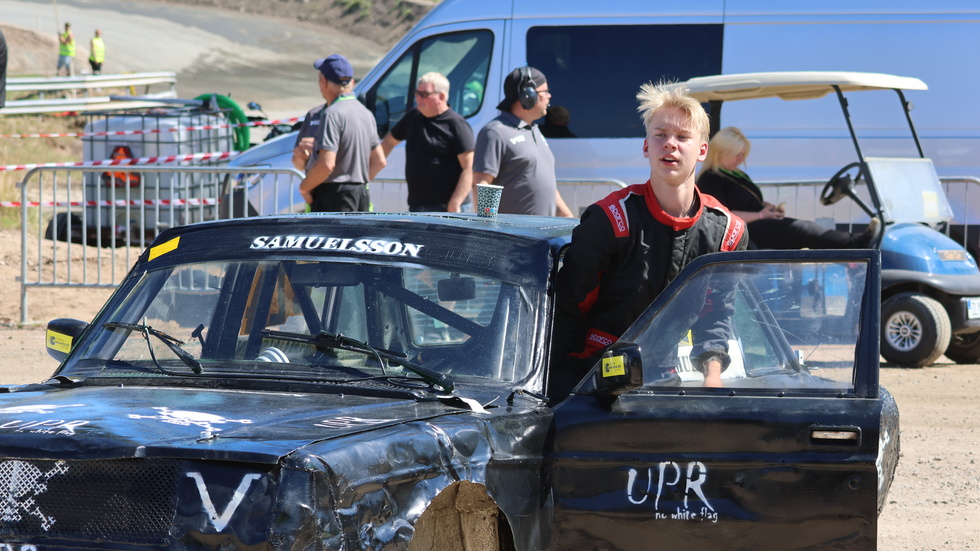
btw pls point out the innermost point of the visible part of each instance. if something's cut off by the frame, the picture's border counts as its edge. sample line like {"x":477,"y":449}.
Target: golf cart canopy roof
{"x":891,"y":180}
{"x":793,"y":85}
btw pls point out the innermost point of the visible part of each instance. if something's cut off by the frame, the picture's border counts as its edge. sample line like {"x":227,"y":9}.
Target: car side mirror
{"x":61,"y":335}
{"x":620,"y":370}
{"x":456,"y":287}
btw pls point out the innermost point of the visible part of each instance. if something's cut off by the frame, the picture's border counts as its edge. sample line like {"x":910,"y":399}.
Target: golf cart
{"x":930,"y":288}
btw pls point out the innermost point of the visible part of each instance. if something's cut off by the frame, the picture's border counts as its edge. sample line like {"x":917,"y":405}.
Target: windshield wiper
{"x":325,"y":340}
{"x":172,"y":343}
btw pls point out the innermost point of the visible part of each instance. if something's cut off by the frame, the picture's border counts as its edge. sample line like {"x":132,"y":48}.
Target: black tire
{"x":964,"y":349}
{"x":889,"y":446}
{"x":915,"y":330}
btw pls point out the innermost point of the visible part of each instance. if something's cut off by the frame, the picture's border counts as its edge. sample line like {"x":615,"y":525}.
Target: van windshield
{"x":463,"y":58}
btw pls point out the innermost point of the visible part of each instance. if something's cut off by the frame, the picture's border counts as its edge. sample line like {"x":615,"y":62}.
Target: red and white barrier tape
{"x":212,"y":156}
{"x":118,"y":203}
{"x":151,"y":131}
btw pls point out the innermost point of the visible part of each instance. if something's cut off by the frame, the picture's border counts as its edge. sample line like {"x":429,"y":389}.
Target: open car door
{"x":795,"y":450}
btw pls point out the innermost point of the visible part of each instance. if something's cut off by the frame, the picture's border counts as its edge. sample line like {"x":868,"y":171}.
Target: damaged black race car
{"x":376,"y":381}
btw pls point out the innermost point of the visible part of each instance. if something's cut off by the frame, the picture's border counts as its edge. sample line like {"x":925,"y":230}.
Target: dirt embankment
{"x":28,"y":50}
{"x":381,"y":21}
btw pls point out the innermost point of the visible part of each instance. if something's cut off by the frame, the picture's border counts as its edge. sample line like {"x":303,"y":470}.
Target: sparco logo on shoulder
{"x":733,"y":237}
{"x":604,"y":341}
{"x":389,"y":247}
{"x":618,"y":217}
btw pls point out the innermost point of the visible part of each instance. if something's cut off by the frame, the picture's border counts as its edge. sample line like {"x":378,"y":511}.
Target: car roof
{"x":793,"y":85}
{"x":508,"y":247}
{"x":544,"y":228}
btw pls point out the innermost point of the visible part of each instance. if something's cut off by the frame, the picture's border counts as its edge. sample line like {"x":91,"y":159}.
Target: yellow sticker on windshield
{"x":164,"y":248}
{"x":58,"y":342}
{"x":613,"y":366}
{"x":688,"y":339}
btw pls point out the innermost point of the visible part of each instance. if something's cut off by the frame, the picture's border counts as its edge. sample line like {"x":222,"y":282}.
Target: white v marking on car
{"x":222,"y":520}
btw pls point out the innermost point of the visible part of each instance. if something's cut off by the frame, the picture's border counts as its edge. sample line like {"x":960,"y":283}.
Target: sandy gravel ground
{"x":934,"y":503}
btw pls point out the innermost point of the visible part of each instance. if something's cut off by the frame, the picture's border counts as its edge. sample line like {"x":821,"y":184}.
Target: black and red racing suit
{"x":623,"y":253}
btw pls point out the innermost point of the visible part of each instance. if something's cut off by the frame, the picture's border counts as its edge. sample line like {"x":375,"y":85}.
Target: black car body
{"x":376,"y":382}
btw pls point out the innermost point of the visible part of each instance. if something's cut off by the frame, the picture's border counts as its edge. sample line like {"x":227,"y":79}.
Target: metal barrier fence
{"x":802,"y":201}
{"x":579,"y":194}
{"x":44,"y":85}
{"x":85,"y":227}
{"x":963,"y":193}
{"x":391,"y":194}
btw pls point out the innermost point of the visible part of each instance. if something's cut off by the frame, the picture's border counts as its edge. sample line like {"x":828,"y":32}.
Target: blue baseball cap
{"x":335,"y":68}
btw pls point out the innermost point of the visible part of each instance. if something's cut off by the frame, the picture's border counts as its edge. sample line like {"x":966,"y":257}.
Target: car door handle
{"x":835,"y":436}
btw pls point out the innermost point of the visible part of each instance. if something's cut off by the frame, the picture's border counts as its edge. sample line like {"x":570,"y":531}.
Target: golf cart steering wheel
{"x":840,"y":185}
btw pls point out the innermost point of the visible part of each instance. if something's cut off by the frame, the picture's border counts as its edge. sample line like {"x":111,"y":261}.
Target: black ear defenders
{"x":526,"y":94}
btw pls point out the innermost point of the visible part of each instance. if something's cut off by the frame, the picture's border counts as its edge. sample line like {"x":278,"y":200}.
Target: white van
{"x":597,"y":54}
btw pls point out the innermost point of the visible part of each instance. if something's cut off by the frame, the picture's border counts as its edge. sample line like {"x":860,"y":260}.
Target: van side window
{"x":595,"y":71}
{"x":464,"y":58}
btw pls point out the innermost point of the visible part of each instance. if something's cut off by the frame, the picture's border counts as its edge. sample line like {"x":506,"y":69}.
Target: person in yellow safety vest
{"x":97,"y":55}
{"x":66,"y":51}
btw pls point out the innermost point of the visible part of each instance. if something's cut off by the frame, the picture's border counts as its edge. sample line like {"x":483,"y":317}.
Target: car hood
{"x":117,"y":422}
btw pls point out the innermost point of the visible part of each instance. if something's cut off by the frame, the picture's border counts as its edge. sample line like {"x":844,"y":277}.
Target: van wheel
{"x":915,"y":330}
{"x":964,"y":349}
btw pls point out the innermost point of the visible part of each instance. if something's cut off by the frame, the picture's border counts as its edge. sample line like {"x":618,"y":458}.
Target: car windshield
{"x":315,"y":320}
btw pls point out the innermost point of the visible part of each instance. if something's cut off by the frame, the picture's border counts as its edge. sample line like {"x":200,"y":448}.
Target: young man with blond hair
{"x":634,"y":242}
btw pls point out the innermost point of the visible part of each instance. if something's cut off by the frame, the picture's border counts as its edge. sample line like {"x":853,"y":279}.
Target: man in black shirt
{"x":438,"y":152}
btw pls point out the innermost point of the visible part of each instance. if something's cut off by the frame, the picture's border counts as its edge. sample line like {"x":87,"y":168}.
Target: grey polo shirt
{"x":517,"y":155}
{"x":348,"y":129}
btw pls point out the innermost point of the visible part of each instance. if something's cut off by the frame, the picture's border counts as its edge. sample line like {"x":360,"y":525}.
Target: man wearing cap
{"x":346,"y":153}
{"x":439,"y":150}
{"x":511,"y":151}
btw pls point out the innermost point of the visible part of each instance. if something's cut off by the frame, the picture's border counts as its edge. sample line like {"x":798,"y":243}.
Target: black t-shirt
{"x":735,"y":190}
{"x":432,"y":149}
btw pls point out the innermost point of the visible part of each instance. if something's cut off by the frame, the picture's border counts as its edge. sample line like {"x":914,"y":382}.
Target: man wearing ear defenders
{"x":511,"y":151}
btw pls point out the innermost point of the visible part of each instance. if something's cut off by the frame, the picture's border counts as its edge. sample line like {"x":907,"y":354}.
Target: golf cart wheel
{"x":964,"y":349}
{"x":915,"y":330}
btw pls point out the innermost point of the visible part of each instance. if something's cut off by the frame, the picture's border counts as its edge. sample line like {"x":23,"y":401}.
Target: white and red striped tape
{"x":118,"y":203}
{"x":151,"y":131}
{"x":212,"y":156}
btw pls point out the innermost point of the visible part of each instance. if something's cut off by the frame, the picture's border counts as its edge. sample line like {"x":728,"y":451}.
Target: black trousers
{"x":790,"y":233}
{"x":345,"y":197}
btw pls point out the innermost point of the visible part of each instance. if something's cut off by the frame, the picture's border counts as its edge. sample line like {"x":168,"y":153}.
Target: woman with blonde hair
{"x":721,"y":176}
